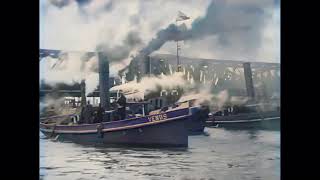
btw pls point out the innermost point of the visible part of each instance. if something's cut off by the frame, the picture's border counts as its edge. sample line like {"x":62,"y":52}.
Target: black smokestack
{"x":104,"y":80}
{"x":83,"y":93}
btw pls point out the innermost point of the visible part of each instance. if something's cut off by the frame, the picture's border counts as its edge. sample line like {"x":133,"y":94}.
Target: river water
{"x":218,"y":154}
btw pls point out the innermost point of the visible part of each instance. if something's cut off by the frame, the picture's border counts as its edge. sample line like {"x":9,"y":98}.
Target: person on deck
{"x":72,"y":104}
{"x":89,"y":115}
{"x":122,"y":102}
{"x":82,"y":115}
{"x":86,"y":115}
{"x":100,"y":113}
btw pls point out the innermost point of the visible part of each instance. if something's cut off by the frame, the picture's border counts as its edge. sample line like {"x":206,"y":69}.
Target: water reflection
{"x":220,"y":154}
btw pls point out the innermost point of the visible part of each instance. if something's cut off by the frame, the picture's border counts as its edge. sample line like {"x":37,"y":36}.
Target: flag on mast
{"x":182,"y":16}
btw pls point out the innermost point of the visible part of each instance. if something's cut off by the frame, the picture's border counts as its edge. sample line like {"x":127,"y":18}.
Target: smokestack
{"x":104,"y":81}
{"x":148,"y":65}
{"x":249,"y":81}
{"x":83,"y":93}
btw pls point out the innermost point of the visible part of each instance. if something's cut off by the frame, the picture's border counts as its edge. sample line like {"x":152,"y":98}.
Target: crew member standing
{"x":100,"y":113}
{"x":89,"y":114}
{"x":122,"y":102}
{"x":82,"y":115}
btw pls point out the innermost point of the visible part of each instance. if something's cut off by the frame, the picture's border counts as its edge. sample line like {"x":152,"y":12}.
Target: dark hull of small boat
{"x":267,"y":120}
{"x":196,"y":122}
{"x":195,"y":128}
{"x":170,"y":132}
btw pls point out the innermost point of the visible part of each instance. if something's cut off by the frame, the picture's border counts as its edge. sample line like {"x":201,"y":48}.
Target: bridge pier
{"x":248,"y":80}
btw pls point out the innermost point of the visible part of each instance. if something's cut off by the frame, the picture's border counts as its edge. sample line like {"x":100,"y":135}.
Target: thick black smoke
{"x":171,"y":33}
{"x":235,"y":22}
{"x":85,"y":59}
{"x":121,"y":52}
{"x":114,"y":54}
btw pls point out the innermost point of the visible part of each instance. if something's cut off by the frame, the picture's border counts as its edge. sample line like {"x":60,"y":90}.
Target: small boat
{"x":249,"y":116}
{"x":197,"y":121}
{"x":199,"y":113}
{"x":159,"y":128}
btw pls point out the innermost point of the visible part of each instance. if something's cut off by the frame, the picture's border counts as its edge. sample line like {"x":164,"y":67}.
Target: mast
{"x":178,"y":48}
{"x":181,"y":17}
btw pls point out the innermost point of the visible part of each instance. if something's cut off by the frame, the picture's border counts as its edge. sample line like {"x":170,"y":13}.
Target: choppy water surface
{"x":221,"y":154}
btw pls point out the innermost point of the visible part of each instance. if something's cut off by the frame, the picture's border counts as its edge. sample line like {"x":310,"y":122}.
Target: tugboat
{"x":261,"y":112}
{"x":159,"y":128}
{"x":114,"y":125}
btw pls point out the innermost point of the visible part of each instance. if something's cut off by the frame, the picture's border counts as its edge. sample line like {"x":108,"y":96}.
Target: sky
{"x":222,"y":29}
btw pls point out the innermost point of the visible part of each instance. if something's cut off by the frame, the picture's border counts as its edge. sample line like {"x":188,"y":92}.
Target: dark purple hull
{"x":165,"y":130}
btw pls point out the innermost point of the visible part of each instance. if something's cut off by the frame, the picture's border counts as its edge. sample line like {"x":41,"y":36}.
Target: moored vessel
{"x":247,"y":116}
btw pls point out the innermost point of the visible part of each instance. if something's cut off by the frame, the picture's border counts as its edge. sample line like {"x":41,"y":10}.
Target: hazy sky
{"x":70,"y":25}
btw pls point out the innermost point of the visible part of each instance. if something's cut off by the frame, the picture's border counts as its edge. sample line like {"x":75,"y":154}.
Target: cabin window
{"x":160,"y":102}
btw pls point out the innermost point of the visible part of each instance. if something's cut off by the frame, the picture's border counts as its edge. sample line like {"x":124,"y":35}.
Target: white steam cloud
{"x":204,"y":96}
{"x":221,"y":29}
{"x":149,"y":84}
{"x":69,"y":69}
{"x":54,"y":104}
{"x":216,"y":101}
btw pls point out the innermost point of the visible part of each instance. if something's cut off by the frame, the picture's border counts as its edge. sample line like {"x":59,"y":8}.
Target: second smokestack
{"x":104,"y":80}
